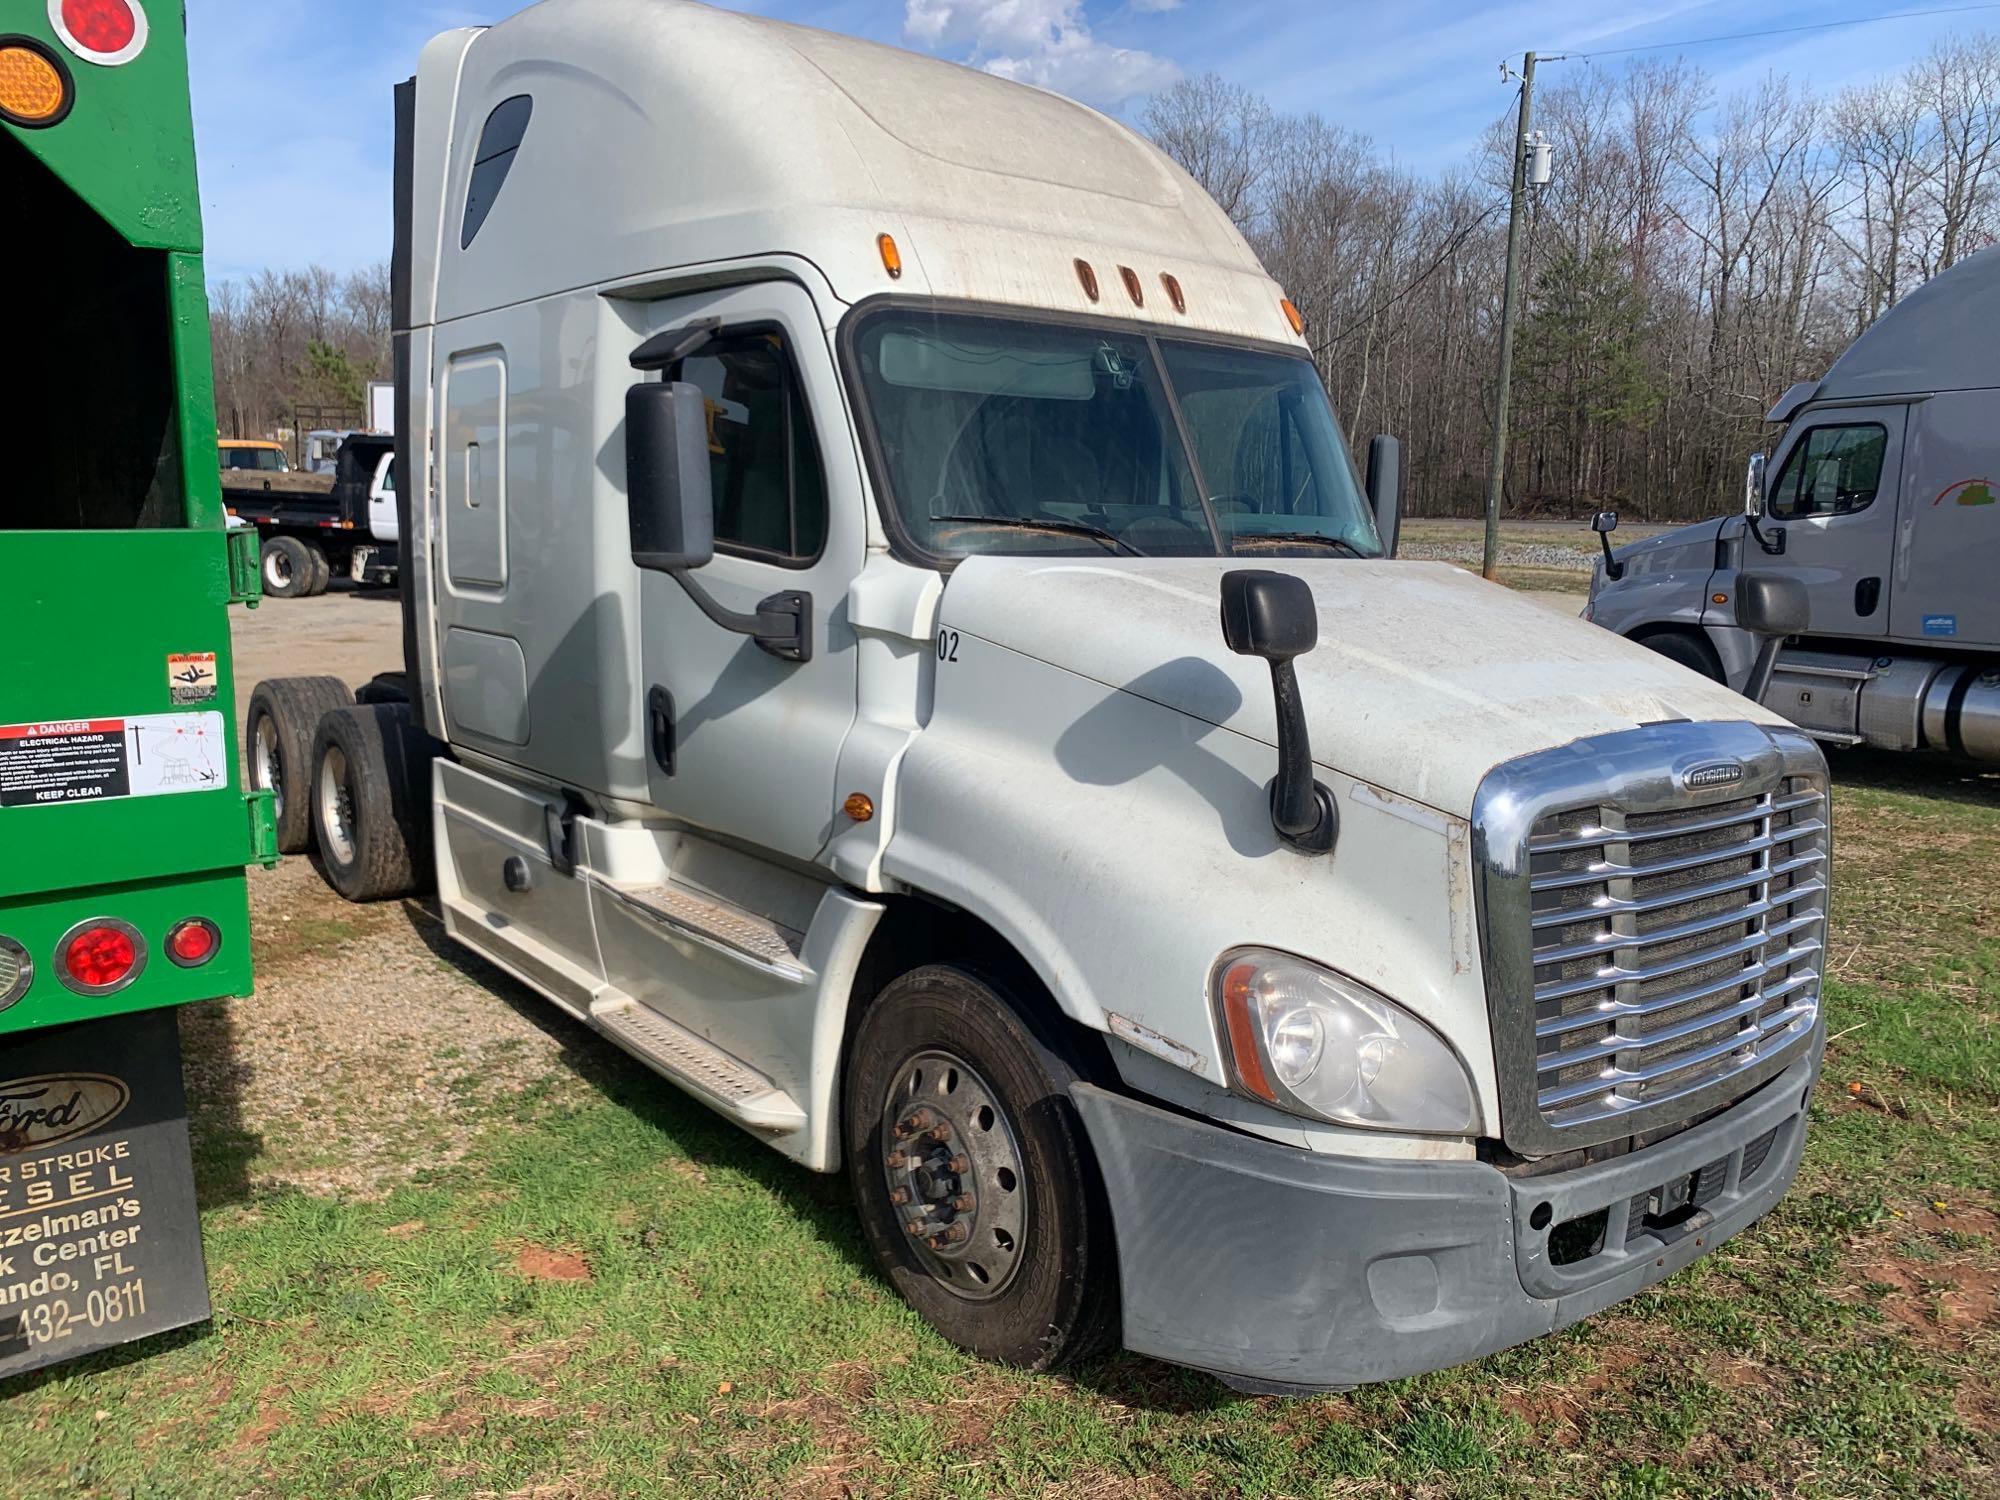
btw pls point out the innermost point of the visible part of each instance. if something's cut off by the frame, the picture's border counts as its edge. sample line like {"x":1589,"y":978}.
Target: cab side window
{"x":1833,"y":471}
{"x":764,"y":464}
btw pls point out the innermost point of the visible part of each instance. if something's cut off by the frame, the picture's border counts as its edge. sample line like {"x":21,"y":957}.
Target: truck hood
{"x":1691,"y":546}
{"x":1424,"y":679}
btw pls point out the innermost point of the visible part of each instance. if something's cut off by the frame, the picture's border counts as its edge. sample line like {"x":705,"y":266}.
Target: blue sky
{"x":292,"y":99}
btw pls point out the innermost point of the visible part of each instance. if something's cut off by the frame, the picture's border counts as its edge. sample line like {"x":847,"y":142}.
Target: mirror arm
{"x":781,"y":625}
{"x":1613,"y":569}
{"x":1773,"y":544}
{"x":1759,"y":681}
{"x":664,"y":350}
{"x":1302,"y":811}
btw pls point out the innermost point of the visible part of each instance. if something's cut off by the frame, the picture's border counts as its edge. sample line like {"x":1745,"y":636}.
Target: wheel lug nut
{"x":964,"y":1203}
{"x":899,"y":1196}
{"x":941,"y":1134}
{"x":951,"y":1234}
{"x":914,"y":1226}
{"x":958,"y":1164}
{"x":897,"y":1161}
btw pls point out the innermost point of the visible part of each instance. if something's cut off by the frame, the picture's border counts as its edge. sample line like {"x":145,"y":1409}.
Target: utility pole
{"x":1496,"y":472}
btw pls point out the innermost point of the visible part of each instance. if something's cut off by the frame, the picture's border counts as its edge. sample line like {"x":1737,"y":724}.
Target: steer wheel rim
{"x":953,"y":1168}
{"x":336,"y":807}
{"x":277,"y":570}
{"x":267,"y":771}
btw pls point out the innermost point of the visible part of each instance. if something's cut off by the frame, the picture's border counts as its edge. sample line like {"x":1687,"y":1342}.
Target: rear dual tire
{"x":370,"y":802}
{"x":278,"y":743}
{"x":294,"y":569}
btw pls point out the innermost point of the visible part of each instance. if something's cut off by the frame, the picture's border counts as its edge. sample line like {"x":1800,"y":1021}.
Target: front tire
{"x":955,"y":1105}
{"x":1690,"y":650}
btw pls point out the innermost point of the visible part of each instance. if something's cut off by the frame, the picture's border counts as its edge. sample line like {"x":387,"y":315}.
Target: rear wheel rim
{"x":278,"y":570}
{"x":267,"y":766}
{"x":336,"y":807}
{"x":956,"y":1180}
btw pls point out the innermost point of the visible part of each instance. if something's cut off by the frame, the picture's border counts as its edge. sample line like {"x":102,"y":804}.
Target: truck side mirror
{"x":1385,"y":489}
{"x":1770,"y":606}
{"x":1753,"y":487}
{"x":666,"y":476}
{"x":1272,"y":615}
{"x":1604,"y":523}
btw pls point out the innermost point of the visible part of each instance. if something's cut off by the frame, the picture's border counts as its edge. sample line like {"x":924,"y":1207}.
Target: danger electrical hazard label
{"x":92,"y":760}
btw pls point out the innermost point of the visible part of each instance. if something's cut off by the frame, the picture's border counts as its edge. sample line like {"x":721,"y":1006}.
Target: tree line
{"x":1693,"y":256}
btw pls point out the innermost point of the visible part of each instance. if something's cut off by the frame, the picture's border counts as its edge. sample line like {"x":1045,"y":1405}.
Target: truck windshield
{"x":998,"y":434}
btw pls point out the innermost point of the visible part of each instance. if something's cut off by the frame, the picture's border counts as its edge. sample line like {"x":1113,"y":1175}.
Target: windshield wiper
{"x":1110,"y":539}
{"x":1294,"y":538}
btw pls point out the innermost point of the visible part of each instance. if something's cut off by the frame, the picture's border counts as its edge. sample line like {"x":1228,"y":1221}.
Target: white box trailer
{"x":897,"y":642}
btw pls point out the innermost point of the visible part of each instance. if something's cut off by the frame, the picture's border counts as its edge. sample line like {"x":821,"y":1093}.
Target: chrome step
{"x":728,"y":929}
{"x":732,"y":1086}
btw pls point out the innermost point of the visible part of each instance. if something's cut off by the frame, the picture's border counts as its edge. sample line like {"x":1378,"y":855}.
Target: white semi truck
{"x":1882,"y":498}
{"x":897,"y":642}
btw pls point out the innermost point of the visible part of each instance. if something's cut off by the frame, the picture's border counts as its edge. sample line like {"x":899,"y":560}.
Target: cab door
{"x":1835,"y":497}
{"x":382,"y":500}
{"x":740,"y":742}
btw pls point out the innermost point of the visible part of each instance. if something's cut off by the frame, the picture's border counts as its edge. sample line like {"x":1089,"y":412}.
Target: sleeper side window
{"x":1832,"y":471}
{"x":492,"y":160}
{"x":764,"y":464}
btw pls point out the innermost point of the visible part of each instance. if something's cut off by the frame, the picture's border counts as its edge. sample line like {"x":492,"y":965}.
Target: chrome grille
{"x":1652,"y":951}
{"x":1672,"y":948}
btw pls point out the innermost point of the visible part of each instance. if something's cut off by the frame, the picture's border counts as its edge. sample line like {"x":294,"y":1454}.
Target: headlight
{"x":1316,"y":1043}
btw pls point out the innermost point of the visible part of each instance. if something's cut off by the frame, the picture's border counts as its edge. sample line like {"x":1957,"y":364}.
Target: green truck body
{"x":122,"y":806}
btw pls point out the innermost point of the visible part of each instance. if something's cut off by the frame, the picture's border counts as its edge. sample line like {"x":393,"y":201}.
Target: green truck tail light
{"x":100,"y":956}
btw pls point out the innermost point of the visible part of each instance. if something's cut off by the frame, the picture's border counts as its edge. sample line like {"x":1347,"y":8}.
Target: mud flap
{"x":100,"y":1243}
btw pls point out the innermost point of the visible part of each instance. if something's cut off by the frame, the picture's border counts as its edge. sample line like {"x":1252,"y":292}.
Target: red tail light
{"x":194,"y":942}
{"x":100,"y":956}
{"x":107,"y":32}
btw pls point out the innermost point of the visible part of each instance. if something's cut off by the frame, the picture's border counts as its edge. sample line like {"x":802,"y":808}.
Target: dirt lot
{"x":458,"y":1246}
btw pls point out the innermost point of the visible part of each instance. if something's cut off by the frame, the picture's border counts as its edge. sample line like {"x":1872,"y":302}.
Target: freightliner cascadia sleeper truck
{"x":124,"y":826}
{"x":1882,"y":499}
{"x":896,"y":640}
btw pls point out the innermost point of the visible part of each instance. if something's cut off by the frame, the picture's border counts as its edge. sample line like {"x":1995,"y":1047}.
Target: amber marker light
{"x":1236,"y":1002}
{"x":1718,"y":598}
{"x":1174,"y":293}
{"x":859,"y":806}
{"x":1086,"y":274}
{"x":1132,"y":288}
{"x":892,"y":258}
{"x":35,"y":90}
{"x":1292,"y":316}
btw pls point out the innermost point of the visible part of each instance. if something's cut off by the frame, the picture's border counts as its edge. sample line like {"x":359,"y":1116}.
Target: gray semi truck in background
{"x":1882,"y":497}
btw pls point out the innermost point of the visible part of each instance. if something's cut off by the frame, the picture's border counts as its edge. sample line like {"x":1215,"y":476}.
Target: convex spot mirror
{"x":667,"y":482}
{"x":1604,"y":522}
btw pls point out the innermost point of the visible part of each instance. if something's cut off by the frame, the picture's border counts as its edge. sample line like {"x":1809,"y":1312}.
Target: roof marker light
{"x":1088,"y":276}
{"x":1174,"y":293}
{"x":35,"y":87}
{"x":107,"y":32}
{"x":1292,"y":316}
{"x":892,"y":258}
{"x":1132,"y":288}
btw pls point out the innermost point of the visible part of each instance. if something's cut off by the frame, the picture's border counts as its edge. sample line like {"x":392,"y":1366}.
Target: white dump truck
{"x":897,"y":642}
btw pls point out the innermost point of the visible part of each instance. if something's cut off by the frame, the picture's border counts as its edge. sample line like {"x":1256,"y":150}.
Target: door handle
{"x":660,"y":728}
{"x":1867,"y":595}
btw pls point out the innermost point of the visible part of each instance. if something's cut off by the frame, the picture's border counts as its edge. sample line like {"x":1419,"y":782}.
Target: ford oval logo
{"x":1717,"y":773}
{"x":57,"y":1107}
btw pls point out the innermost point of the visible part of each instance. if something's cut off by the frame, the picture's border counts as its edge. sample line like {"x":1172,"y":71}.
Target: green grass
{"x":730,"y":1338}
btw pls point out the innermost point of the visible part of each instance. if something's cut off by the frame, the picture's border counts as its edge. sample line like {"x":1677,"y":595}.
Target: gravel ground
{"x":1512,"y":554}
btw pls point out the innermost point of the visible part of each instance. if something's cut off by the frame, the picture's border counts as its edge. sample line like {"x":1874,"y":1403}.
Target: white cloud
{"x":1155,"y":6}
{"x":1045,"y":42}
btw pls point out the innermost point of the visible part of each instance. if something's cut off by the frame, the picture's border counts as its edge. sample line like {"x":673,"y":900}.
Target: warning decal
{"x":92,"y":760}
{"x":191,"y":677}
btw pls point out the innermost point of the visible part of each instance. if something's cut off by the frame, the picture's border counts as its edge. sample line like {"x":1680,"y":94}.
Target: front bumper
{"x":1285,"y":1270}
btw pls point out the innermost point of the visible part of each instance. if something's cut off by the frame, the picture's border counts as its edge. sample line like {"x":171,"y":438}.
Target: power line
{"x":1746,"y":36}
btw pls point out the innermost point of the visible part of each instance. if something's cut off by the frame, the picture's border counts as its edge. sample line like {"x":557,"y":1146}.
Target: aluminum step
{"x":743,"y":935}
{"x":730,"y":1085}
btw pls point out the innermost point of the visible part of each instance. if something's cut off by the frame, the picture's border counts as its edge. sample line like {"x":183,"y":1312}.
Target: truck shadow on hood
{"x":1103,"y":749}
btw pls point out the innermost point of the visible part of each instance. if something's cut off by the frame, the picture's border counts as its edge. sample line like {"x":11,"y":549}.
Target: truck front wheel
{"x":288,"y":568}
{"x":1687,"y":648}
{"x":371,"y":801}
{"x":975,"y":1180}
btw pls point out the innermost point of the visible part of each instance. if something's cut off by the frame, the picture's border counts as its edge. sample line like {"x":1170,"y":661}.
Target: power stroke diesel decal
{"x":91,"y":760}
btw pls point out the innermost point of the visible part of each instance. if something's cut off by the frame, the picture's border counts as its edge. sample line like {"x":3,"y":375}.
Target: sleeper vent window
{"x":493,"y":160}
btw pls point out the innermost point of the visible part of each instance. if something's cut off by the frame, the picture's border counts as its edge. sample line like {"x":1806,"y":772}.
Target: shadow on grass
{"x":1920,"y":774}
{"x":821,"y":1199}
{"x":103,"y":1360}
{"x":214,"y":1072}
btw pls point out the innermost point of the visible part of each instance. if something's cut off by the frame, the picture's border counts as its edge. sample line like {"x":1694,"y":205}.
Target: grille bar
{"x":1679,"y":942}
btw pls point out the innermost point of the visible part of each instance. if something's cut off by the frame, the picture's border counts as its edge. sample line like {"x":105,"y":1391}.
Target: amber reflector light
{"x":1174,"y":294}
{"x":1132,"y":288}
{"x":34,"y":86}
{"x":1292,"y":316}
{"x":1088,"y":277}
{"x":892,"y":258}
